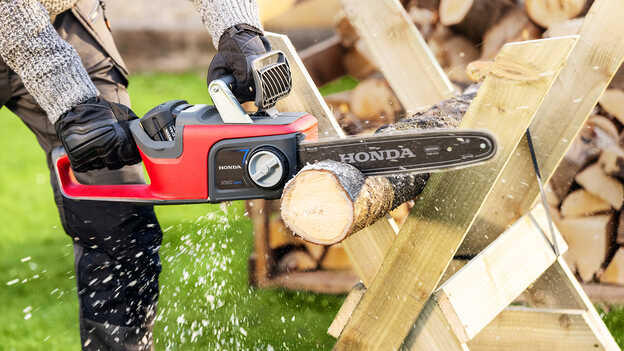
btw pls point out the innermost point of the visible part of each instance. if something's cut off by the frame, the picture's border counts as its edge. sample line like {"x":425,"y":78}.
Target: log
{"x":588,"y":241}
{"x":458,"y":52}
{"x":607,"y":134}
{"x":582,"y":203}
{"x":582,"y":152}
{"x":614,"y":274}
{"x":612,"y":161}
{"x":548,"y":12}
{"x":342,"y":200}
{"x":400,"y":213}
{"x":472,"y":17}
{"x":594,"y":180}
{"x":612,"y":101}
{"x":296,"y":261}
{"x":373,"y":101}
{"x":336,"y":259}
{"x":424,"y":19}
{"x":515,"y":25}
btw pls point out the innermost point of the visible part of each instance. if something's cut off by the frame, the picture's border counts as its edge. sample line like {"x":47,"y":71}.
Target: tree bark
{"x":328,"y":201}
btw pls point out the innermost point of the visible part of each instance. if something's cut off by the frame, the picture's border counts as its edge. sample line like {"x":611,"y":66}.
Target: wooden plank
{"x":262,"y":262}
{"x":492,"y":281}
{"x":558,"y":288}
{"x":610,"y":294}
{"x":432,"y":332}
{"x":305,"y":96}
{"x":324,"y":61}
{"x":591,"y":66}
{"x":367,"y":249}
{"x":506,"y":103}
{"x":403,"y":56}
{"x":523,"y":329}
{"x":321,"y":282}
{"x":347,"y":308}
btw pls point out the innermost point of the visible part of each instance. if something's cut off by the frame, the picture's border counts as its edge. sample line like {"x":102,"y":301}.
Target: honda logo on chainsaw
{"x":230,"y":167}
{"x":381,"y":155}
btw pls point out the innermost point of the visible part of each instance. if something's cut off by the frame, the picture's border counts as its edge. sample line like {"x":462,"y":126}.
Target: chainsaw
{"x":202,"y":153}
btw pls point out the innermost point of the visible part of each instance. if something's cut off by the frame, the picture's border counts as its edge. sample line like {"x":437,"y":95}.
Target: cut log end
{"x":321,"y":211}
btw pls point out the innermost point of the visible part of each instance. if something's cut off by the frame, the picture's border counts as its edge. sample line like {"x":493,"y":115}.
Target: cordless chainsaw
{"x":202,"y":153}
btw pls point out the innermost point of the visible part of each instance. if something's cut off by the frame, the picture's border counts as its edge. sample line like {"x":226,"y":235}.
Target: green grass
{"x":205,"y":303}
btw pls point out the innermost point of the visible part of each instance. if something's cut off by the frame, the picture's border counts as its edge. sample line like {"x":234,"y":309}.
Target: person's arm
{"x":237,"y":34}
{"x":219,"y":15}
{"x":93,"y":131}
{"x":49,"y":67}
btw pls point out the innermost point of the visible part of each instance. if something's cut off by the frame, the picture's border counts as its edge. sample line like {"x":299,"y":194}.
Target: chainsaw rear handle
{"x":71,"y":188}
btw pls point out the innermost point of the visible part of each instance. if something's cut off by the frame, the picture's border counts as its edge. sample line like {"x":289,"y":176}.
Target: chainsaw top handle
{"x":272,"y":82}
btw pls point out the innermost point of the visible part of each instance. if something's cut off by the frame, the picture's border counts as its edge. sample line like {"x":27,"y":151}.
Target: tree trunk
{"x":328,"y":201}
{"x":472,"y":17}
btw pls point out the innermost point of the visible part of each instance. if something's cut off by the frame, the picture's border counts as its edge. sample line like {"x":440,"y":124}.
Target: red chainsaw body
{"x":185,"y":178}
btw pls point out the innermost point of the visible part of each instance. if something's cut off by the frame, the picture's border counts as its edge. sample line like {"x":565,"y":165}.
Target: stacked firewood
{"x":292,"y":254}
{"x":587,"y":194}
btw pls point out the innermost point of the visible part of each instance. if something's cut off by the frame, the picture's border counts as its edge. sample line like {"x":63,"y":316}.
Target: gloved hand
{"x":96,"y":134}
{"x":238,"y":47}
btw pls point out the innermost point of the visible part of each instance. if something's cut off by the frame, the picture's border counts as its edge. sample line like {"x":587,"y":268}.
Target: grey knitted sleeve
{"x":49,"y":67}
{"x":219,"y":15}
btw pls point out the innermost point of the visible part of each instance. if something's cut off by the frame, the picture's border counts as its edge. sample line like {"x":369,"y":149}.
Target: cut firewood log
{"x":374,"y":100}
{"x":560,"y":29}
{"x":328,"y":201}
{"x":582,"y":152}
{"x":347,"y":33}
{"x":424,"y":19}
{"x":472,"y":17}
{"x":588,"y":241}
{"x":612,"y":161}
{"x":336,"y":259}
{"x":547,"y":12}
{"x":612,"y":101}
{"x":605,"y":125}
{"x":551,"y":198}
{"x":458,"y":53}
{"x":515,"y":25}
{"x":594,"y":180}
{"x":581,"y":203}
{"x":296,"y":260}
{"x":614,"y":274}
{"x":424,"y":4}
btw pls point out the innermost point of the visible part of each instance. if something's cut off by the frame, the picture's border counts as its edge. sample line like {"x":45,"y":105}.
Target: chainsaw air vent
{"x":273,"y":82}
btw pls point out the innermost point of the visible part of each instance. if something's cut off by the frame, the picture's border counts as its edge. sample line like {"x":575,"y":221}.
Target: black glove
{"x":238,"y":47}
{"x":96,"y":134}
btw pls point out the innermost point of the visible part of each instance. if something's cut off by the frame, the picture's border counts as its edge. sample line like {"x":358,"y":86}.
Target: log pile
{"x":587,"y":194}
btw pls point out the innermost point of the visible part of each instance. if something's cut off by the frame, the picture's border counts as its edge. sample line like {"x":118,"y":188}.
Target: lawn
{"x":205,"y":303}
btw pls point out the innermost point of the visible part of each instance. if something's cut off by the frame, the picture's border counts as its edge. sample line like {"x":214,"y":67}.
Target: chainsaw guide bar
{"x":403,"y":152}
